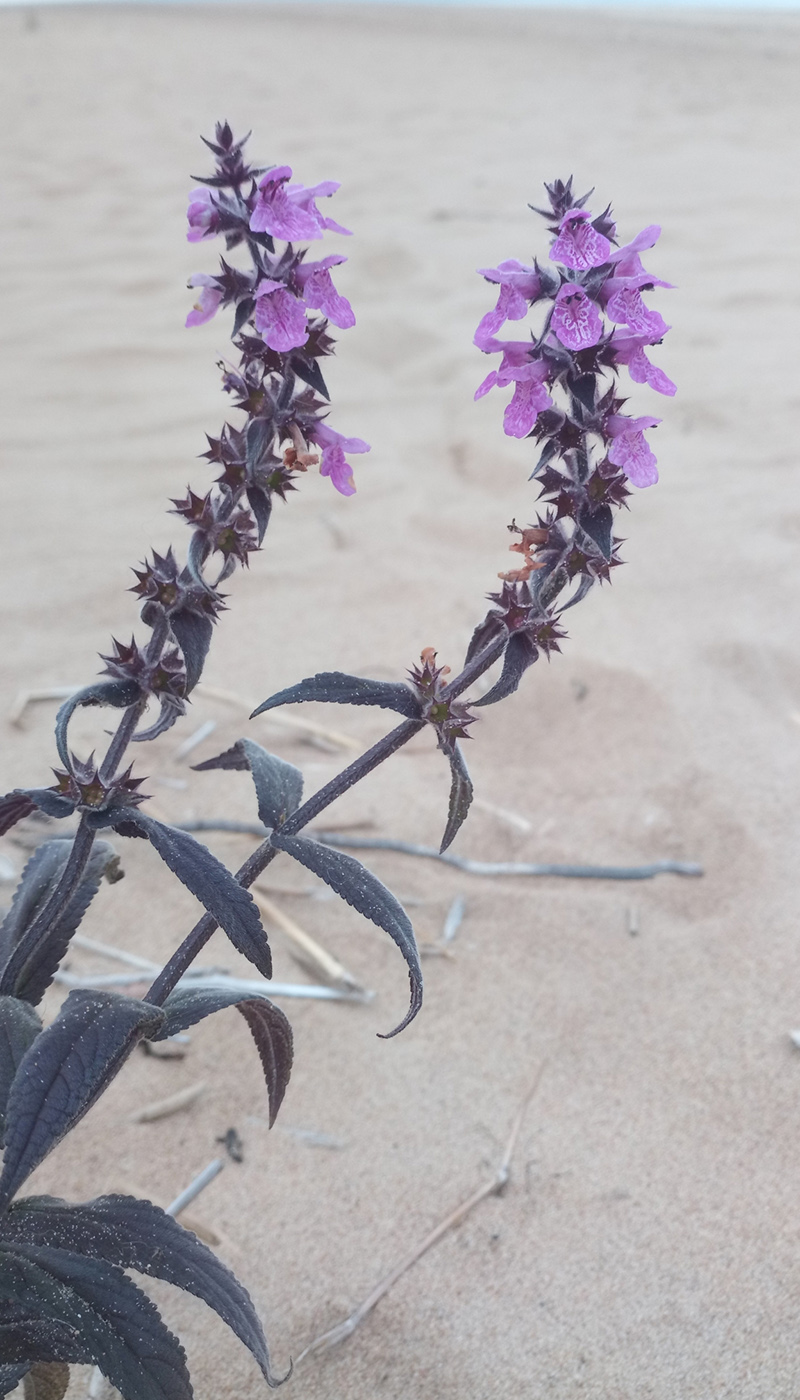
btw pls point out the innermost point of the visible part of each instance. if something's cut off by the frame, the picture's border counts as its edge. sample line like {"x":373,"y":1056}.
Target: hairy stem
{"x":122,"y":737}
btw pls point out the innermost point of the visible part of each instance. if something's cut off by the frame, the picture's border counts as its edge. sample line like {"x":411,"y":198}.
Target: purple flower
{"x":290,"y":211}
{"x":519,"y":285}
{"x":528,"y":375}
{"x":629,"y":350}
{"x":578,"y":245}
{"x":280,"y":317}
{"x":628,"y":256}
{"x":629,"y":449}
{"x":208,"y":301}
{"x":576,"y":320}
{"x":334,"y":445}
{"x":202,"y":215}
{"x":320,"y":294}
{"x":306,"y":198}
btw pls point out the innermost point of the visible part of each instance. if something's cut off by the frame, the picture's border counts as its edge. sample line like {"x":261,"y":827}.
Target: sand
{"x":648,"y":1244}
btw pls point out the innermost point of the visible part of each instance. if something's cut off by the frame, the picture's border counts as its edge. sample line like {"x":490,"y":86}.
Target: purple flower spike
{"x":280,"y":317}
{"x":530,"y":396}
{"x":208,"y":301}
{"x":629,"y":449}
{"x":202,"y":215}
{"x":579,"y":246}
{"x":334,"y":445}
{"x":576,"y":320}
{"x":319,"y":293}
{"x":278,"y":214}
{"x":519,"y":285}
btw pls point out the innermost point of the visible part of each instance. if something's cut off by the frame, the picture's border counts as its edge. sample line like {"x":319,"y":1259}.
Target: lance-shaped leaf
{"x":339,"y":689}
{"x":487,"y":631}
{"x":19,"y":1027}
{"x":117,"y":1326}
{"x":119,"y":694}
{"x":279,"y":785}
{"x":32,"y":977}
{"x":209,"y":881}
{"x":364,"y":891}
{"x":520,"y":653}
{"x":68,"y":1065}
{"x":11,"y":1375}
{"x":192,"y":631}
{"x":460,"y":795}
{"x":260,"y":503}
{"x":269,"y":1027}
{"x":136,"y":1234}
{"x":598,"y":525}
{"x":14,"y":806}
{"x":586,"y":584}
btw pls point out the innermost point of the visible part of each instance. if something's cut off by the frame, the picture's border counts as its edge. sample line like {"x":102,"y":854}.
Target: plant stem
{"x":120,"y":741}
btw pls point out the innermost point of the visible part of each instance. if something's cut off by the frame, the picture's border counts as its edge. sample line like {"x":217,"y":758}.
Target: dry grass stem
{"x":307,"y":951}
{"x":493,"y":1187}
{"x":503,"y":815}
{"x":24,"y":698}
{"x":163,"y":1108}
{"x":194,"y":741}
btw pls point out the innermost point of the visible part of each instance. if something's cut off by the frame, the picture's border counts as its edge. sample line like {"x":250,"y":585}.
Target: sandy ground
{"x":649,"y":1242}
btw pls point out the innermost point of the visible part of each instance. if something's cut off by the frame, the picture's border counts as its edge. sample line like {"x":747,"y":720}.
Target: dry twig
{"x":308,"y":952}
{"x":493,"y":1187}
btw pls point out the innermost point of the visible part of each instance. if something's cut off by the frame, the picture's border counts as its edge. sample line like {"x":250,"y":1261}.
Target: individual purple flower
{"x":630,"y":351}
{"x":319,"y":293}
{"x":625,"y":305}
{"x":334,"y":445}
{"x":530,"y":396}
{"x":519,"y":285}
{"x":208,"y":301}
{"x":578,"y":245}
{"x":625,"y":255}
{"x":306,"y":198}
{"x":290,"y":211}
{"x":280,"y":317}
{"x":576,"y":320}
{"x":202,"y":215}
{"x":629,"y":448}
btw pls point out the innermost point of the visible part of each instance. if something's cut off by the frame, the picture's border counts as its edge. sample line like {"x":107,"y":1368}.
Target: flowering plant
{"x":65,"y":1295}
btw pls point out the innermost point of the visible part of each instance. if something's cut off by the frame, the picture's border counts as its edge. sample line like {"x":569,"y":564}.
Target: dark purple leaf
{"x":117,"y":1326}
{"x":598,"y":525}
{"x":20,"y":803}
{"x":339,"y":689}
{"x":279,"y":785}
{"x":192,"y":632}
{"x":585,"y":586}
{"x":19,"y":1027}
{"x":270,"y":1029}
{"x":486,"y":632}
{"x":244,"y":310}
{"x":364,"y":891}
{"x":260,"y":503}
{"x":310,"y":372}
{"x":31,"y":978}
{"x":136,"y":1234}
{"x":460,"y":795}
{"x":520,"y":654}
{"x":212,"y":883}
{"x":11,"y":1375}
{"x":68,"y":1065}
{"x":119,"y":694}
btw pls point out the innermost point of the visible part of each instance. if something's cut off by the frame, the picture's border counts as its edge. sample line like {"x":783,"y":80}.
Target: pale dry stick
{"x":503,"y":815}
{"x":91,"y":945}
{"x":486,"y":867}
{"x":164,"y":1108}
{"x":24,"y":698}
{"x":218,"y":981}
{"x":309,"y":953}
{"x":494,"y":1187}
{"x":194,"y":741}
{"x":633,"y":920}
{"x":307,"y":726}
{"x":453,"y":919}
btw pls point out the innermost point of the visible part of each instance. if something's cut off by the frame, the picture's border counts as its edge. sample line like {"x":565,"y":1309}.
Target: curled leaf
{"x":17,"y":805}
{"x":520,"y":653}
{"x":364,"y":891}
{"x":340,"y":689}
{"x":279,"y":785}
{"x":269,"y":1027}
{"x":118,"y":693}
